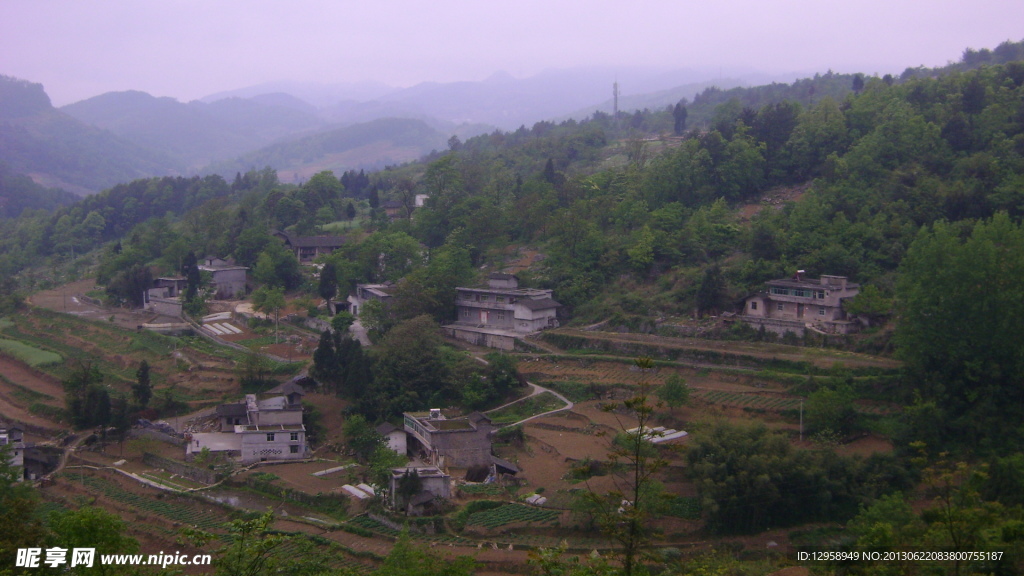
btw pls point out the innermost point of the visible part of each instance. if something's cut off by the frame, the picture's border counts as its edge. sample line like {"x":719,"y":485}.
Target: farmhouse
{"x":433,"y":485}
{"x":798,"y":304}
{"x":307,"y":248}
{"x":367,"y":292}
{"x":459,"y":442}
{"x":13,"y":437}
{"x":499,"y":313}
{"x":257,"y":430}
{"x":227,"y":277}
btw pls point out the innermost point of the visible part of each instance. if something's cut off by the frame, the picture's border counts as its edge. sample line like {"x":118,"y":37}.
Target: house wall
{"x":275,"y":417}
{"x":463,"y":448}
{"x":397,"y":442}
{"x":256,"y":446}
{"x":166,"y":306}
{"x":229,"y":283}
{"x":499,"y":341}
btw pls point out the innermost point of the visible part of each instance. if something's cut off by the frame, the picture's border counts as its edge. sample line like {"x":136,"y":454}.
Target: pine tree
{"x":142,"y":390}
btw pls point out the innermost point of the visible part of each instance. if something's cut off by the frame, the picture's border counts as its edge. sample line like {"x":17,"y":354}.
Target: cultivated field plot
{"x":198,"y":370}
{"x":761,"y":352}
{"x":512,"y":514}
{"x":28,"y":395}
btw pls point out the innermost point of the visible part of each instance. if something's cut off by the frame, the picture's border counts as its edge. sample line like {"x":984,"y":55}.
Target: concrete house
{"x":14,"y":438}
{"x":307,"y":248}
{"x":395,"y":437}
{"x":228,"y":278}
{"x":367,"y":292}
{"x":497,"y":314}
{"x":164,"y":298}
{"x":435,"y":484}
{"x":459,"y":442}
{"x":798,"y":304}
{"x":257,"y":430}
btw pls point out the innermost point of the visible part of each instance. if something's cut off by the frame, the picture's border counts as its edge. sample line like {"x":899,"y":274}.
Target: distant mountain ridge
{"x":59,"y":151}
{"x":197,"y":133}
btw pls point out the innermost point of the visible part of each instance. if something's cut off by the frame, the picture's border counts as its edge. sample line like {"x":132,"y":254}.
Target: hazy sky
{"x":191,"y":48}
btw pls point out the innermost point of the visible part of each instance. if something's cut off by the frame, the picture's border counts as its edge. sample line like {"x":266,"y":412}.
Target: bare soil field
{"x":819,"y":357}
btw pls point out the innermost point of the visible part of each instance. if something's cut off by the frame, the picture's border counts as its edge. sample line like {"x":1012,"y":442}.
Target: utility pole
{"x":615,"y":105}
{"x":801,"y":420}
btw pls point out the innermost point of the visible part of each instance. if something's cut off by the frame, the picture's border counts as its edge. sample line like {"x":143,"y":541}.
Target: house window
{"x":821,"y":310}
{"x":499,"y":299}
{"x":499,"y":315}
{"x":781,"y":307}
{"x":753,"y":305}
{"x":295,"y":436}
{"x":270,"y":437}
{"x":465,"y":312}
{"x":484,"y":298}
{"x":294,"y":449}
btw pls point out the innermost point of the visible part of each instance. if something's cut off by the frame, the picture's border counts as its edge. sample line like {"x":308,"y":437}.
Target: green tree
{"x":831,"y":410}
{"x":674,"y":392}
{"x":142,"y":390}
{"x":711,"y":291}
{"x":623,"y":514}
{"x":328,"y":286}
{"x":870,"y":304}
{"x":91,"y":527}
{"x":407,"y":559}
{"x":679,"y":114}
{"x":408,"y":370}
{"x":270,"y":301}
{"x":958,"y":298}
{"x":277,"y":266}
{"x":361,"y":437}
{"x":342,"y":321}
{"x":253,"y":548}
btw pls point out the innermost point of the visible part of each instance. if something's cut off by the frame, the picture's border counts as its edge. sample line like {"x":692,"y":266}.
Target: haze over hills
{"x":198,"y":133}
{"x":300,"y":127}
{"x":59,"y":151}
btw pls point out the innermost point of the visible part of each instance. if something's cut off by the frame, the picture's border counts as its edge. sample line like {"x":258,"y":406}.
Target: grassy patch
{"x":682,"y":507}
{"x":28,"y":354}
{"x":530,"y":407}
{"x":6,"y":323}
{"x":483,"y":489}
{"x":47,"y":411}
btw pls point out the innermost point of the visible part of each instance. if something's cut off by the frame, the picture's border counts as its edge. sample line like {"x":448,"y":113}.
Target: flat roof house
{"x":229,"y":279}
{"x":798,"y":304}
{"x":257,"y":430}
{"x":497,"y":314}
{"x":460,"y":442}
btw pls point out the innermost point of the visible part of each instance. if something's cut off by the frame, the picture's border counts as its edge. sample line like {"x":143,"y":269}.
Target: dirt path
{"x":822,"y":358}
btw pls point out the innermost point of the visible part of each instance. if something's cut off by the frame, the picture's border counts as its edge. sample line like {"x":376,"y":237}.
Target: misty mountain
{"x":370,"y":145}
{"x":317,"y":94}
{"x":198,"y":133}
{"x":59,"y":151}
{"x":504,"y":101}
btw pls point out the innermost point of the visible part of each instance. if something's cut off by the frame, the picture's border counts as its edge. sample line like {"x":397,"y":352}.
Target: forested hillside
{"x":196,"y":133}
{"x":632,"y":219}
{"x":63,"y":152}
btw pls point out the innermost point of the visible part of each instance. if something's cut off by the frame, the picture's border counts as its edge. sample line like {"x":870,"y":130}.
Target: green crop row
{"x":207,"y":520}
{"x":511,"y":513}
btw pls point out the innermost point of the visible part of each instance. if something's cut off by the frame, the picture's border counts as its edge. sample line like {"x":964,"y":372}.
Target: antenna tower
{"x":615,"y":103}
